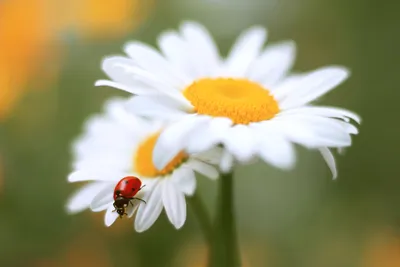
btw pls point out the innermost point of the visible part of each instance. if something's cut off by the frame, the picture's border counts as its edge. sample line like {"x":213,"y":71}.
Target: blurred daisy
{"x":118,"y":144}
{"x":247,"y":102}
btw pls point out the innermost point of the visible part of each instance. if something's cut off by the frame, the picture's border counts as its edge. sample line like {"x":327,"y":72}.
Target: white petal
{"x":103,"y":198}
{"x":176,"y":50}
{"x":132,"y":209}
{"x":273,"y":64}
{"x":203,"y":168}
{"x":212,"y":156}
{"x":241,"y":142}
{"x":332,"y":112}
{"x":174,"y":203}
{"x":202,"y":139}
{"x":149,"y":59}
{"x":148,"y":213}
{"x":276,"y":150}
{"x":330,"y":160}
{"x":310,"y":131}
{"x":246,"y":48}
{"x":185,"y":180}
{"x":314,"y":85}
{"x":130,"y":89}
{"x":81,"y":199}
{"x":96,"y":175}
{"x":142,"y":78}
{"x":226,"y":163}
{"x":110,"y":216}
{"x":203,"y":51}
{"x":114,"y":67}
{"x":171,"y":140}
{"x":208,"y":134}
{"x":159,"y":107}
{"x":286,"y":86}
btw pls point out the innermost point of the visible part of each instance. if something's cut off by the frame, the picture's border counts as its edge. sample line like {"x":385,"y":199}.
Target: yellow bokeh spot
{"x":103,"y":19}
{"x":32,"y":32}
{"x":241,"y":100}
{"x":143,"y":159}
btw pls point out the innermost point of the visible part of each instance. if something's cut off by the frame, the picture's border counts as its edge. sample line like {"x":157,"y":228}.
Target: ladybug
{"x":124,"y":192}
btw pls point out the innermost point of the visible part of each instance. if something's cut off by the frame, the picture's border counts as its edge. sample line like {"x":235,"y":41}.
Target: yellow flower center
{"x":241,"y":100}
{"x":143,"y":159}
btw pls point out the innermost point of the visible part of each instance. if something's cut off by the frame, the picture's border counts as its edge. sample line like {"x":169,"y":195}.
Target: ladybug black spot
{"x":126,"y":182}
{"x":133,"y":189}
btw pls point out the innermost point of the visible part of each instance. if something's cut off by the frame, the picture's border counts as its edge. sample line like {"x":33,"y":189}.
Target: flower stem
{"x":202,"y":216}
{"x":225,"y":249}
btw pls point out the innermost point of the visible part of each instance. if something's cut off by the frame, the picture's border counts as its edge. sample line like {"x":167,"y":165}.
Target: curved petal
{"x":171,"y":140}
{"x":103,"y":198}
{"x":185,"y":179}
{"x":211,"y":156}
{"x":136,"y":90}
{"x":245,"y":50}
{"x":152,"y":61}
{"x":314,"y":85}
{"x":175,"y":204}
{"x":226,"y":163}
{"x":240,"y":142}
{"x":202,"y":138}
{"x":92,"y":175}
{"x":330,"y":160}
{"x":148,"y":213}
{"x":157,"y":107}
{"x":209,"y":134}
{"x":203,"y":168}
{"x":310,"y":131}
{"x":330,"y":112}
{"x":277,"y":151}
{"x":81,"y":199}
{"x":110,"y":216}
{"x":141,"y":81}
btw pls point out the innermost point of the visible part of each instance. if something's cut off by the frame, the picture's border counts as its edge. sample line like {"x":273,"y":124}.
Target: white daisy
{"x":118,"y":144}
{"x":247,"y":102}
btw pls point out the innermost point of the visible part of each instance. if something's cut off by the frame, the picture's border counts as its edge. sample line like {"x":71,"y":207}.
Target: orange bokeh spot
{"x":24,"y":39}
{"x":30,"y":40}
{"x":383,"y":250}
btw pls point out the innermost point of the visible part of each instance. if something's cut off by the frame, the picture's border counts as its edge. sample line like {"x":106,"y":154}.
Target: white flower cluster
{"x":193,"y":111}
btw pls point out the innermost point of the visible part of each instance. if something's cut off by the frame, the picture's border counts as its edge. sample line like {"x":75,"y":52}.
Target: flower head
{"x":117,"y":144}
{"x":248,"y":102}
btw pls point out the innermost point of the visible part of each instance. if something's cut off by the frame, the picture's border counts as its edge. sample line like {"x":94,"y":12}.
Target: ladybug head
{"x":120,"y":205}
{"x":121,"y":212}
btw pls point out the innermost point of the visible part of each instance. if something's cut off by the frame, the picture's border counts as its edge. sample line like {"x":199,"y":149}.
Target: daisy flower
{"x":118,"y":144}
{"x":249,"y":102}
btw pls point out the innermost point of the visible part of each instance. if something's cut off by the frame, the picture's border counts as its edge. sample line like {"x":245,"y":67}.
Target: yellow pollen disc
{"x":143,"y":159}
{"x":241,"y":100}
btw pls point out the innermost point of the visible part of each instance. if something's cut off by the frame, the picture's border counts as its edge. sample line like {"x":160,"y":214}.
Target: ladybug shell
{"x":127,"y":187}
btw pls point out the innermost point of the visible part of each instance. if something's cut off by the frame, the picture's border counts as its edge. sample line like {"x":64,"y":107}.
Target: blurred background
{"x":50,"y":54}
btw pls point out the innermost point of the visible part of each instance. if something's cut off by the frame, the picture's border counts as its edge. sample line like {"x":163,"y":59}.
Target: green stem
{"x":225,"y":249}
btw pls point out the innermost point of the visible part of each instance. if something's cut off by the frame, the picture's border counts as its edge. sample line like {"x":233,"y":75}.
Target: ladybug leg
{"x":139,"y":199}
{"x":141,"y":187}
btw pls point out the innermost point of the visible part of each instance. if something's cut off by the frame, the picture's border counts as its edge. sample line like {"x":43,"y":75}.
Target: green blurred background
{"x":50,"y":57}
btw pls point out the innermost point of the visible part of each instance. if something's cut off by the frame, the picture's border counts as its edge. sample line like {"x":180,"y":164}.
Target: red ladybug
{"x":124,"y":192}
